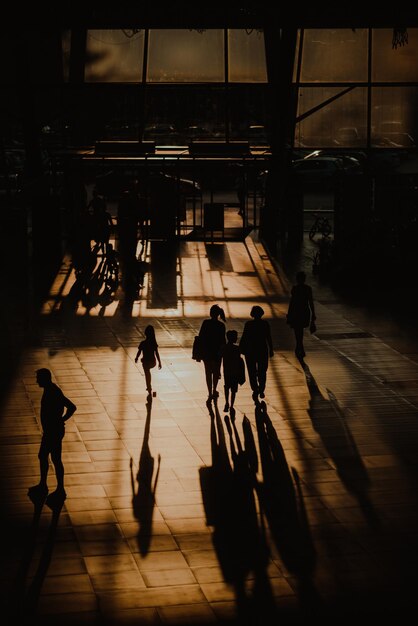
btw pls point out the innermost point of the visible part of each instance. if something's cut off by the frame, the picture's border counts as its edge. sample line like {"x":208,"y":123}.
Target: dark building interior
{"x":156,"y":158}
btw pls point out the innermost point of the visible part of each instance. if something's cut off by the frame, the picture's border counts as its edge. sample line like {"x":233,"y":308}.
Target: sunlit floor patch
{"x":181,"y":281}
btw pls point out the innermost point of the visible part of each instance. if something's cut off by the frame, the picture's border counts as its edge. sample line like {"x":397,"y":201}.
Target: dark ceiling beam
{"x":212,"y":14}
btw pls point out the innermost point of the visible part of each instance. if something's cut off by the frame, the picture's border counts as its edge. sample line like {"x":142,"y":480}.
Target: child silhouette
{"x":150,"y":355}
{"x":233,"y":367}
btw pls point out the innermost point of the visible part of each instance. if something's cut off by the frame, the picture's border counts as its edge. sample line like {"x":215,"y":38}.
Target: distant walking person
{"x":102,"y":222}
{"x":150,"y":355}
{"x":53,"y":418}
{"x":257,"y":346}
{"x":234,"y":372}
{"x":301,"y":312}
{"x":212,"y":340}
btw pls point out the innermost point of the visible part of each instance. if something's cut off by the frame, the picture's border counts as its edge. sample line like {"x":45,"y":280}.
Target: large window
{"x":375,"y":108}
{"x":336,"y":117}
{"x":181,"y":56}
{"x":176,"y":116}
{"x":394,"y":120}
{"x":334,"y":55}
{"x":186,"y":84}
{"x":173,"y":56}
{"x":114,"y":56}
{"x":247,"y":56}
{"x":394,"y":65}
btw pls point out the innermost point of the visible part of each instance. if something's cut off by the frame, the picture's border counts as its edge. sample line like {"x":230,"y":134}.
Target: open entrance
{"x":226,"y":206}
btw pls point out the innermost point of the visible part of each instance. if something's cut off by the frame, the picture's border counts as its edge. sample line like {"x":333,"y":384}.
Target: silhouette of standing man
{"x":301,"y":312}
{"x":257,"y":346}
{"x":53,"y":418}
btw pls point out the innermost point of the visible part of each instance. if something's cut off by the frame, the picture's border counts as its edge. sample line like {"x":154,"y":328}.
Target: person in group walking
{"x":301,"y":312}
{"x":211,"y":342}
{"x":56,"y":409}
{"x":150,"y":355}
{"x":256,"y":345}
{"x":234,"y":372}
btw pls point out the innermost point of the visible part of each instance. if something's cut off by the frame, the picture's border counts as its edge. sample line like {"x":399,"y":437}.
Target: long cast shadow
{"x":23,"y":602}
{"x":34,"y":590}
{"x":229,"y":503}
{"x":284,"y":510}
{"x":338,"y":441}
{"x":95,"y":284}
{"x":251,"y":534}
{"x":143,"y":498}
{"x":17,"y":596}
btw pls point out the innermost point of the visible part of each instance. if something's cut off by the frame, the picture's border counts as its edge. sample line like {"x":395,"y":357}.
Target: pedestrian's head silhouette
{"x":43,"y":376}
{"x":149,"y":332}
{"x":257,"y":312}
{"x":300,"y":277}
{"x":232,"y":336}
{"x":216,"y":311}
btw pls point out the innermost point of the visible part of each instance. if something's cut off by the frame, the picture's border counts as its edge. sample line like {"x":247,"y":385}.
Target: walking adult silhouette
{"x":257,"y":346}
{"x":212,"y":339}
{"x":301,"y":312}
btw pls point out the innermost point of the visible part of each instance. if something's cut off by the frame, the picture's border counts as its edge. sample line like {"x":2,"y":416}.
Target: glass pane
{"x":11,"y":122}
{"x":393,"y":65}
{"x":66,"y":49}
{"x":338,"y":55}
{"x":297,"y":52}
{"x":394,"y":117}
{"x":341,"y":123}
{"x":175,"y":116}
{"x":184,"y":56}
{"x":247,"y":56}
{"x":247,"y":114}
{"x":114,"y":56}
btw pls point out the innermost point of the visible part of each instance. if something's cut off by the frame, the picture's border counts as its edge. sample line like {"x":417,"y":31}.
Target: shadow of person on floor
{"x":23,"y":602}
{"x":330,"y":423}
{"x":16,"y":598}
{"x":143,"y":498}
{"x":96,"y":285}
{"x":230,"y":509}
{"x":34,"y":591}
{"x":249,"y":532}
{"x":283,"y":507}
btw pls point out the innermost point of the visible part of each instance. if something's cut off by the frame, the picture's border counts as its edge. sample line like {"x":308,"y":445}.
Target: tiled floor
{"x":304,"y":509}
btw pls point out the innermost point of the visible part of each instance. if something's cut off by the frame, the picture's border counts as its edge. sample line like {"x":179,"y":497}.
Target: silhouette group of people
{"x":218,"y":348}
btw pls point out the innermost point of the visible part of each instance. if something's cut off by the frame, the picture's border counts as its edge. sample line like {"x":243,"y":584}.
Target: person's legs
{"x":299,"y":349}
{"x":43,"y":462}
{"x":262,"y":366}
{"x":208,"y":375}
{"x":216,"y":375}
{"x":233,"y":394}
{"x":56,"y":454}
{"x":252,"y":372}
{"x":147,"y":373}
{"x":226,"y":389}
